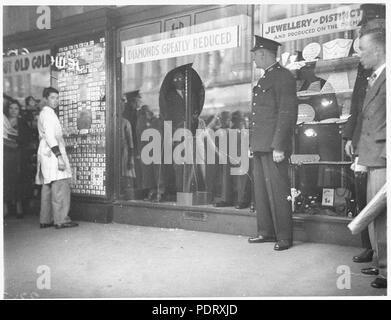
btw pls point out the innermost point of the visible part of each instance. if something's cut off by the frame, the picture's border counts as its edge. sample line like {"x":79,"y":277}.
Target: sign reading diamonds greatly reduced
{"x":312,"y":25}
{"x":219,"y":39}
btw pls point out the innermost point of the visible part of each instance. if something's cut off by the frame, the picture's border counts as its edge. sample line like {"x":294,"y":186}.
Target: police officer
{"x":273,"y":117}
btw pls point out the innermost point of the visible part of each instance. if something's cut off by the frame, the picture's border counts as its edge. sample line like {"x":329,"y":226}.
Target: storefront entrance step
{"x":310,"y":228}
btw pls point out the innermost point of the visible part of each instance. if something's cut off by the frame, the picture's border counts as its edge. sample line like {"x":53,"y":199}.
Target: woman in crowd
{"x":17,"y":166}
{"x":152,"y":174}
{"x":128,"y":174}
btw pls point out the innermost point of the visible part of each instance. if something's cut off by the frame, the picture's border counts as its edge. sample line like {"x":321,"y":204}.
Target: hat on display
{"x":372,"y":11}
{"x":264,"y":43}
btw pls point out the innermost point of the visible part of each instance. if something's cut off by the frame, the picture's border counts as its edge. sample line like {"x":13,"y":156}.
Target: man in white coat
{"x":53,"y":168}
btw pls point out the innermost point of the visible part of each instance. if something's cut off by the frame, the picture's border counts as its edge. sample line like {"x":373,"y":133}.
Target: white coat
{"x":50,"y":135}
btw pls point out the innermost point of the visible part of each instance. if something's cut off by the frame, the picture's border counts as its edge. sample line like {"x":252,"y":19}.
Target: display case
{"x":80,"y":77}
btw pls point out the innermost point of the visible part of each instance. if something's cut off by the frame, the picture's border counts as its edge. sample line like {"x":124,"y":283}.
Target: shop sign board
{"x":339,"y":19}
{"x":27,"y":63}
{"x":195,"y":43}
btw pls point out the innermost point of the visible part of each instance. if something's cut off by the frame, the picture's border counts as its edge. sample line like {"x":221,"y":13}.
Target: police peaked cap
{"x":264,"y":43}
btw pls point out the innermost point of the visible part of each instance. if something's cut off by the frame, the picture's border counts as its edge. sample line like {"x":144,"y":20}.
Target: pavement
{"x":126,"y":261}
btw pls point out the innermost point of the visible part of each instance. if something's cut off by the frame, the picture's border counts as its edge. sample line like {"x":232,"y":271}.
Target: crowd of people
{"x":161,"y":182}
{"x":20,"y":139}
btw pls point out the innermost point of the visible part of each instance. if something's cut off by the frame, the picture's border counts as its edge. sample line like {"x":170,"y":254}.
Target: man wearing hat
{"x":273,"y":117}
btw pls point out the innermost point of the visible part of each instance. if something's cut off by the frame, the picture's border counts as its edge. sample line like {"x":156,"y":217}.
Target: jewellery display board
{"x":82,"y":112}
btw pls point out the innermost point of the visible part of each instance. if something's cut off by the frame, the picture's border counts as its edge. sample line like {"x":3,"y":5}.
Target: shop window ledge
{"x":173,"y":206}
{"x":229,"y":211}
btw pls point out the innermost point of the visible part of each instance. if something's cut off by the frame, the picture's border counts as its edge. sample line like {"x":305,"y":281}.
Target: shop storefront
{"x":116,"y":70}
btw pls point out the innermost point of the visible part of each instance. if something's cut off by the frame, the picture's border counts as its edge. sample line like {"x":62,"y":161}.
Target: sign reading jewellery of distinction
{"x":312,"y":25}
{"x":219,"y":39}
{"x":27,"y":63}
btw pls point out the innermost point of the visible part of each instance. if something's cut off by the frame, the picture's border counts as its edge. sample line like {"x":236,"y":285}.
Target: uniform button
{"x":259,"y":86}
{"x":253,"y":123}
{"x":253,"y":113}
{"x":254,"y":104}
{"x":263,"y":90}
{"x":255,"y":94}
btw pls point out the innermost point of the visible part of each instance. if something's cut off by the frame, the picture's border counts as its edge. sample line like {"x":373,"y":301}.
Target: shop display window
{"x":211,"y":62}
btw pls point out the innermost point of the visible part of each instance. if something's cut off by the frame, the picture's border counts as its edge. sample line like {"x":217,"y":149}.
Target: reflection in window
{"x":226,"y":81}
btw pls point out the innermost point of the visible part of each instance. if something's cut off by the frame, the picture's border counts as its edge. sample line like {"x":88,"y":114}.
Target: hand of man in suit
{"x":349,"y":148}
{"x":278,"y":156}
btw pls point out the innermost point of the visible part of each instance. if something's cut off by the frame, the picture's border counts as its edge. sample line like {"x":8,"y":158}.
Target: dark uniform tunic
{"x":273,"y":117}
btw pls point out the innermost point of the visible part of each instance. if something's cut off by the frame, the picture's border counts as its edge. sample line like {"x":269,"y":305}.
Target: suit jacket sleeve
{"x":358,"y":97}
{"x":381,"y":132}
{"x":287,"y":112}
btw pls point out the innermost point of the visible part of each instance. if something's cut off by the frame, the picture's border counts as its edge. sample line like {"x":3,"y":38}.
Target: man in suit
{"x":373,"y":17}
{"x":371,"y":146}
{"x":273,"y":117}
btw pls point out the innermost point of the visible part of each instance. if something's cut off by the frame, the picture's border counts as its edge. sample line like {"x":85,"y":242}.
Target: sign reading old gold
{"x":219,"y":39}
{"x":27,"y":63}
{"x":312,"y":25}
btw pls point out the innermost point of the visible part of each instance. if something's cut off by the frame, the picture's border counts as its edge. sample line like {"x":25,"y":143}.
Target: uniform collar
{"x":275,"y":65}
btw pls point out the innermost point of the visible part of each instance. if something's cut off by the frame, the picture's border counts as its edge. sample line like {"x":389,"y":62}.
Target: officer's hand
{"x":61,"y":163}
{"x":349,"y":148}
{"x":278,"y":156}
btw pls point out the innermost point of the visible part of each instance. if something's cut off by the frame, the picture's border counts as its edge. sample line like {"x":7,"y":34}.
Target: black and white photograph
{"x":192,"y":150}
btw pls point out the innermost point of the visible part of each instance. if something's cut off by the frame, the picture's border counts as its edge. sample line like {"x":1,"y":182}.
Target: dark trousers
{"x":153,"y":177}
{"x":360,"y":185}
{"x":378,"y":228}
{"x":245,"y":186}
{"x":234,"y":188}
{"x":272,"y":189}
{"x":226,"y":183}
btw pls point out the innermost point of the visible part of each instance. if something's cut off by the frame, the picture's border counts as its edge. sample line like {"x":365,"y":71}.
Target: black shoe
{"x":370,"y":271}
{"x":261,"y":239}
{"x":241,"y":205}
{"x":282,"y":245}
{"x":70,"y":224}
{"x":365,"y":256}
{"x":223,"y":204}
{"x":379,"y":283}
{"x":46,"y":225}
{"x":151,"y":196}
{"x":160,"y":197}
